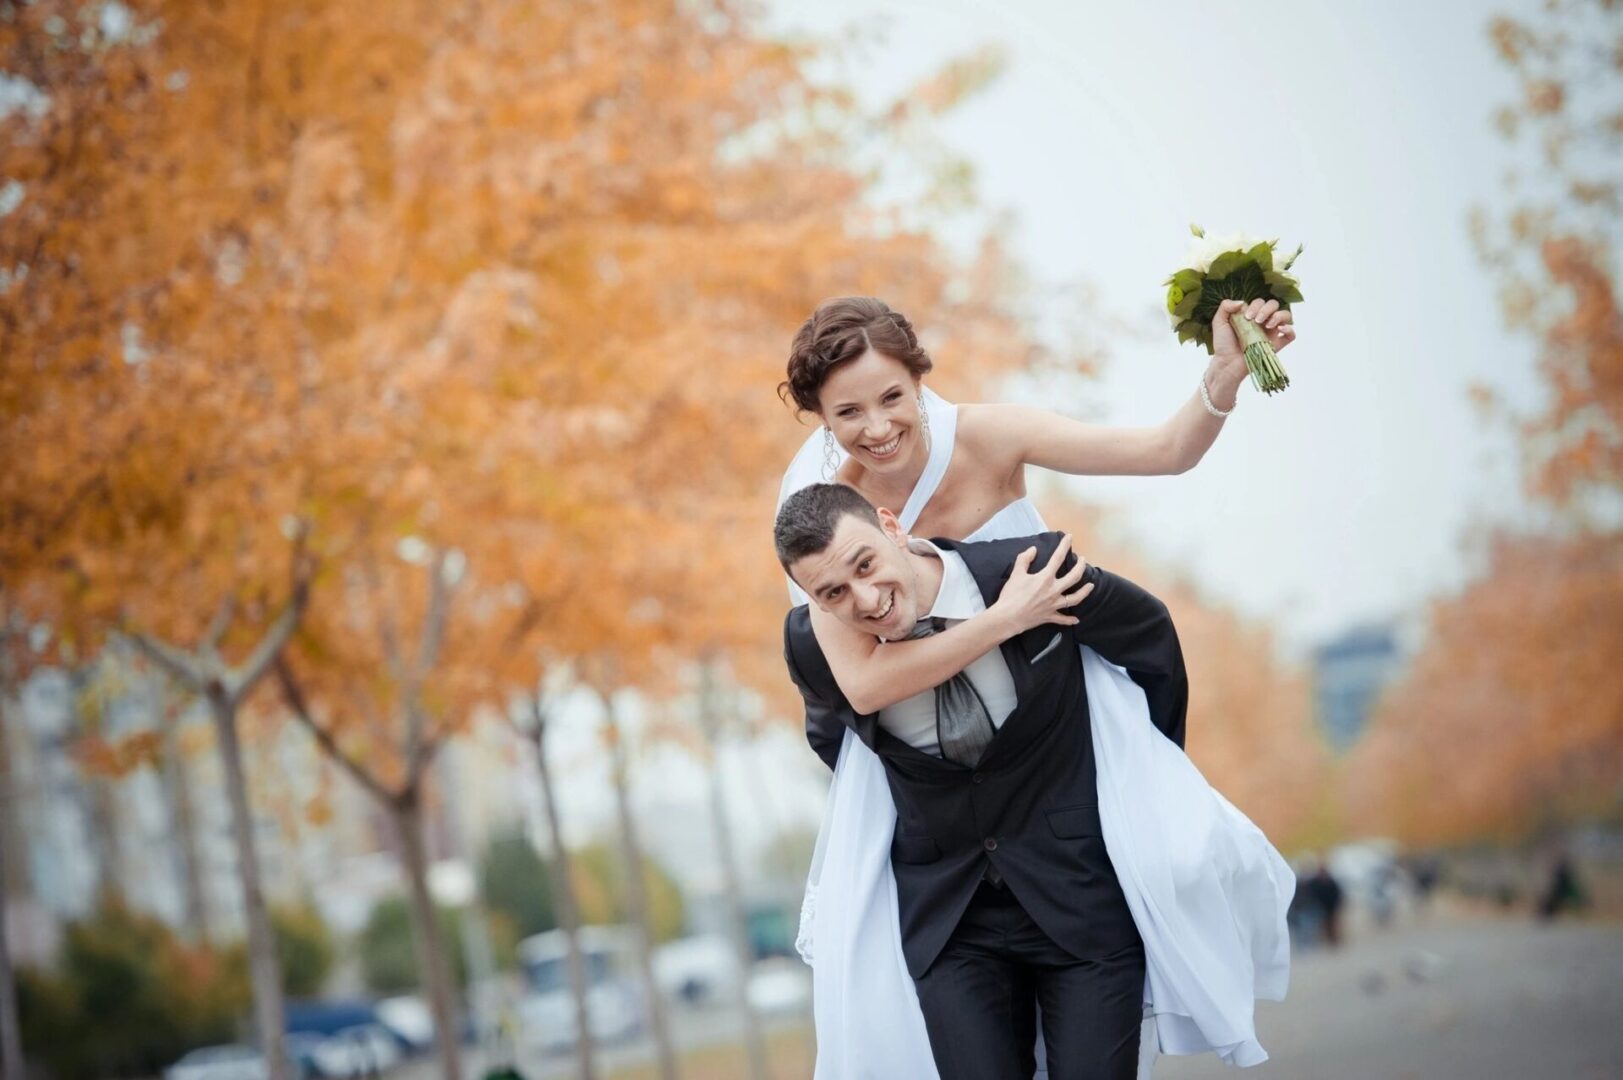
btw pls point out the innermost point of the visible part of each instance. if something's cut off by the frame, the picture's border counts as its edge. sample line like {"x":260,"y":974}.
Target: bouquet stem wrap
{"x":1266,"y":373}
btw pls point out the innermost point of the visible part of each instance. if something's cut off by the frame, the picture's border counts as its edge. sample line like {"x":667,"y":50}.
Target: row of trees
{"x":363,"y":364}
{"x":1511,"y":720}
{"x":367,"y":368}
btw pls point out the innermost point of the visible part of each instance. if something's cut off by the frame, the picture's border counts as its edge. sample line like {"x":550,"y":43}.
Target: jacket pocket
{"x":914,"y":849}
{"x":1053,"y":644}
{"x":1069,"y":822}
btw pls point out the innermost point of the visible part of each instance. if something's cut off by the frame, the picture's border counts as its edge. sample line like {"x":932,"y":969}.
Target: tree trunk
{"x":178,"y":780}
{"x":710,"y":720}
{"x":263,"y":967}
{"x":637,"y":900}
{"x":177,"y":783}
{"x":90,"y":718}
{"x":484,"y":994}
{"x":11,"y":1041}
{"x":433,"y":968}
{"x":563,"y":903}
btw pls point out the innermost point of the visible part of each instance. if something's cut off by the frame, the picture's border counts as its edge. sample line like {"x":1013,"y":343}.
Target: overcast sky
{"x":1362,"y":131}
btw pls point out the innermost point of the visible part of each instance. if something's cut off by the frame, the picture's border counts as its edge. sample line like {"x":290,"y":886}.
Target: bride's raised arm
{"x":1019,"y":435}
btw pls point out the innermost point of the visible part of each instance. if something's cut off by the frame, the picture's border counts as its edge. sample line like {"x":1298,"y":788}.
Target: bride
{"x":1207,"y":891}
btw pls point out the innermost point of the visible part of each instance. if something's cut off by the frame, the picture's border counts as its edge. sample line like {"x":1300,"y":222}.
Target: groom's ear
{"x":892,"y":527}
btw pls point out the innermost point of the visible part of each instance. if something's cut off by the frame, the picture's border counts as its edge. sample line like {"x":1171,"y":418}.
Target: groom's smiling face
{"x":866,"y":577}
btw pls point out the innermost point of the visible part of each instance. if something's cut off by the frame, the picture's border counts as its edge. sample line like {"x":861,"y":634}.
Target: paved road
{"x":1455,"y":997}
{"x":1496,"y":999}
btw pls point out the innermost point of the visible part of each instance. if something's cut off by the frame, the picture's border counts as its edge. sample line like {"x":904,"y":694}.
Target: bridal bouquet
{"x":1233,"y":268}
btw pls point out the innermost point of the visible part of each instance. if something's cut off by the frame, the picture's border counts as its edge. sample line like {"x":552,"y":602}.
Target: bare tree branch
{"x":428,"y":654}
{"x":238,"y":681}
{"x":183,"y":666}
{"x":430,"y":744}
{"x":218,"y":626}
{"x":386,"y":624}
{"x":293,"y":694}
{"x":439,"y":602}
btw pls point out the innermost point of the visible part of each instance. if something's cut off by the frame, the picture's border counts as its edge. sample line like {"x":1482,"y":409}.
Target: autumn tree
{"x":307,"y":302}
{"x":1511,"y":719}
{"x":1552,"y":251}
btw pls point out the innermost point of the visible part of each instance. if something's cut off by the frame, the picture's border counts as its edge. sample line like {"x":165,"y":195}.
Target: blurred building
{"x":1349,"y":673}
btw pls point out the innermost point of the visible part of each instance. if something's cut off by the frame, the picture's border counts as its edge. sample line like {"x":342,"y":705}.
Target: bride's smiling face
{"x":872,"y":406}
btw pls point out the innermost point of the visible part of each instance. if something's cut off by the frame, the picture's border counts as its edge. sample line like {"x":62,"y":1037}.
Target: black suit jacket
{"x":1031,"y":805}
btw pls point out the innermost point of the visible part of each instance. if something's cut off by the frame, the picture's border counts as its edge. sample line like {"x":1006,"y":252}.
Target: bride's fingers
{"x":1067,"y":582}
{"x":1070,"y":602}
{"x":1024,"y":560}
{"x":1058,"y":558}
{"x":1279,"y":318}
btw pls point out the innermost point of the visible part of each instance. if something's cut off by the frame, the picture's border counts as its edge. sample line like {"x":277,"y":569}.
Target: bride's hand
{"x":1029,"y":600}
{"x":1274,"y":320}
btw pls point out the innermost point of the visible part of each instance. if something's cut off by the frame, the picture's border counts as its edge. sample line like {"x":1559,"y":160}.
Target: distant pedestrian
{"x":1427,"y":872}
{"x":1305,"y":916}
{"x":1565,"y":892}
{"x":1328,"y":897}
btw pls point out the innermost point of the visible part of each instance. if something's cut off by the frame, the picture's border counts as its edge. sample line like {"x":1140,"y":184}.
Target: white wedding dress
{"x":1207,"y":890}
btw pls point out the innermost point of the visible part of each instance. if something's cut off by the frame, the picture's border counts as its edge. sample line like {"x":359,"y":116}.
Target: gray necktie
{"x":963,"y":726}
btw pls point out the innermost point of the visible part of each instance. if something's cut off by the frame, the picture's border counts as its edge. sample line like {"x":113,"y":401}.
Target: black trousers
{"x":980,"y":1000}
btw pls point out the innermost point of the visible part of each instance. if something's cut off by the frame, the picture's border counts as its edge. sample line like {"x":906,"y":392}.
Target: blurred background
{"x":389,"y":635}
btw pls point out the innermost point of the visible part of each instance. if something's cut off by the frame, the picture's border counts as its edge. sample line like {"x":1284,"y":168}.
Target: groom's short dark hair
{"x":808,"y":518}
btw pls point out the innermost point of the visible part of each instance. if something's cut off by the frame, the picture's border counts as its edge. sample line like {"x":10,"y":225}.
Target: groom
{"x":1007,"y":896}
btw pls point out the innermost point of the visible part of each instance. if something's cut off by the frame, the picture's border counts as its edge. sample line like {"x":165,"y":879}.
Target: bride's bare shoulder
{"x":990,"y":431}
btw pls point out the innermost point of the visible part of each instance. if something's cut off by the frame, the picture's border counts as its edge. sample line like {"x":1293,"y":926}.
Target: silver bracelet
{"x":1206,"y":400}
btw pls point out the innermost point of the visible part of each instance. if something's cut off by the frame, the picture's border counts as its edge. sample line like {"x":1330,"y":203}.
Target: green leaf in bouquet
{"x":1262,"y":255}
{"x":1225,"y":264}
{"x":1188,"y":305}
{"x":1286,"y":295}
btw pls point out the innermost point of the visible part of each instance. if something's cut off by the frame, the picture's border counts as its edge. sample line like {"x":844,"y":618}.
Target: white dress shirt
{"x":913,"y":720}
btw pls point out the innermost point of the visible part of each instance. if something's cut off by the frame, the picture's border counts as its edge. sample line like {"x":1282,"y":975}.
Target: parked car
{"x":408,"y":1019}
{"x":701,"y":969}
{"x":615,"y":1008}
{"x":219,"y":1063}
{"x":354,"y":1052}
{"x":343,"y":1038}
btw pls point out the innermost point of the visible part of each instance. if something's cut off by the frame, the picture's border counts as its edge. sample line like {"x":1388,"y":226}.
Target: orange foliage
{"x":117,"y":758}
{"x":1556,"y":264}
{"x":511,"y":281}
{"x":1511,"y":719}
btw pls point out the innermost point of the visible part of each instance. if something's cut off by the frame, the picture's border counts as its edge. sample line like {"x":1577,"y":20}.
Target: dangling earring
{"x":831,"y":457}
{"x":924,"y":423}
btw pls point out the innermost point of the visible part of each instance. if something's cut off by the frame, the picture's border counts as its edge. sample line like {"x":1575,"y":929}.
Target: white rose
{"x":1209,"y":247}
